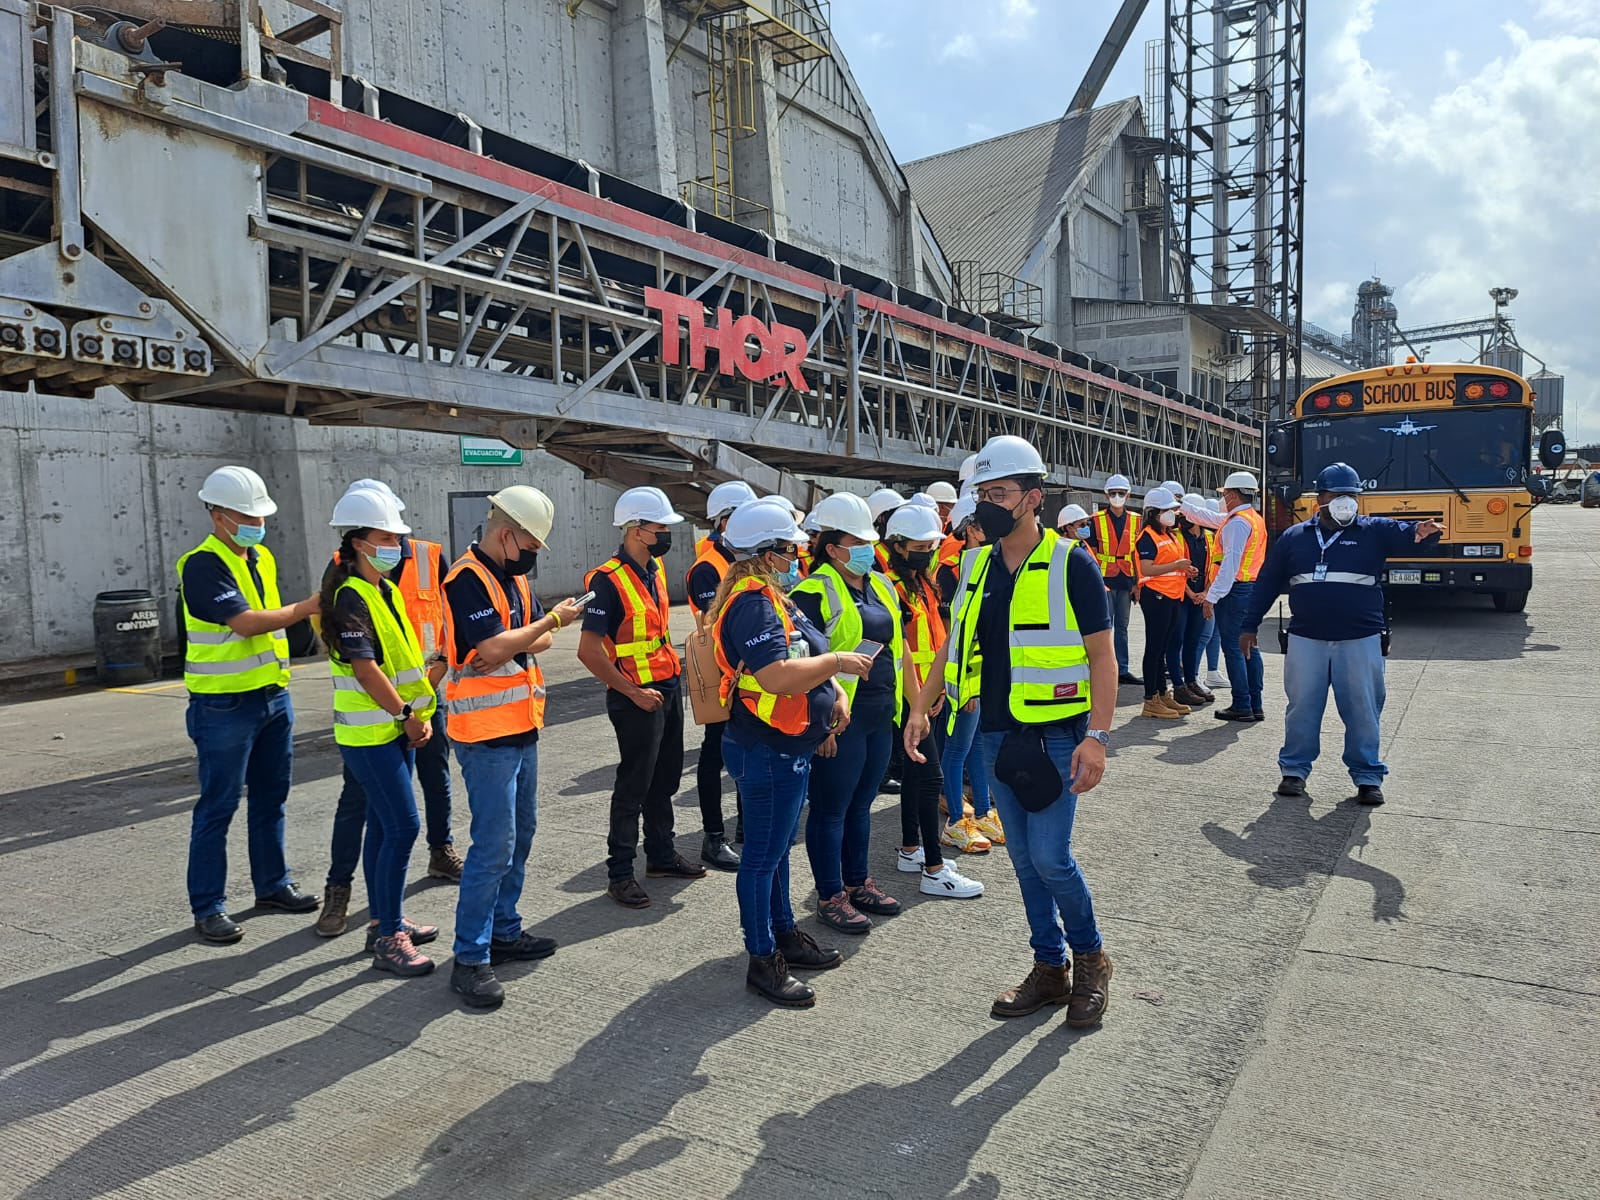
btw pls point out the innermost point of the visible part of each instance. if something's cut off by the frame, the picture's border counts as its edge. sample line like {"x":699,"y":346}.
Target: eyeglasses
{"x":998,"y":495}
{"x":1117,"y":495}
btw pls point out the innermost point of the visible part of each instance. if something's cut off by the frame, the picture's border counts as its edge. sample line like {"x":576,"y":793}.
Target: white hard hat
{"x":915,"y":523}
{"x":809,"y":524}
{"x":528,"y":507}
{"x":965,"y":510}
{"x":1117,"y":483}
{"x":726,"y":497}
{"x":923,"y":500}
{"x":847,"y":513}
{"x":1177,"y":489}
{"x":644,"y":504}
{"x":1004,"y":456}
{"x":377,"y":485}
{"x":884,"y":500}
{"x":968,"y":465}
{"x":789,"y":504}
{"x":1071,"y":515}
{"x":1214,"y":504}
{"x":368,"y":508}
{"x":238,"y":489}
{"x":1241,"y":481}
{"x":759,"y":525}
{"x":1160,"y":497}
{"x":1194,"y":499}
{"x":942,"y":492}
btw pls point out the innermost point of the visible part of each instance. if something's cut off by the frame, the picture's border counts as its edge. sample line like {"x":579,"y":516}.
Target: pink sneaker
{"x":397,"y":954}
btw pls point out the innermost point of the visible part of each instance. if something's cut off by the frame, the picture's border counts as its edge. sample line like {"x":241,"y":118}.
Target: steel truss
{"x":388,"y":279}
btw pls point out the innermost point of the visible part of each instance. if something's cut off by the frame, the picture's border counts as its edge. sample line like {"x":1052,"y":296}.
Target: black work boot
{"x":1291,"y":785}
{"x":800,"y":950}
{"x":769,"y":976}
{"x":1369,"y":793}
{"x":716,"y":853}
{"x":476,"y":985}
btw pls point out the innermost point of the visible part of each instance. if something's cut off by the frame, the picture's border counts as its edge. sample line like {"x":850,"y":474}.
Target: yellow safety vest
{"x":218,"y":662}
{"x":1049,"y":664}
{"x":841,"y":619}
{"x":358,"y":719}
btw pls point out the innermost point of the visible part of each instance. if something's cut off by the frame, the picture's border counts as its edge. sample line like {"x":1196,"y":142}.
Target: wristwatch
{"x":1103,"y":736}
{"x":405,"y":714}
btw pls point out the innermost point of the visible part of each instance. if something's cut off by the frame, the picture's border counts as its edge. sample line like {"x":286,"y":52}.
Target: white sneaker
{"x":1215,"y":679}
{"x":949,"y":884}
{"x":910,"y":862}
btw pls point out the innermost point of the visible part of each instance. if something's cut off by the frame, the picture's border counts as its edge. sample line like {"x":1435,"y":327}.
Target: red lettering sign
{"x":779,"y":351}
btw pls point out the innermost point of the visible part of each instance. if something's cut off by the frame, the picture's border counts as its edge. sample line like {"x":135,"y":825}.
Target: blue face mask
{"x":1081,"y":532}
{"x":861,"y":560}
{"x":249,"y":535}
{"x":789,"y":578}
{"x":384,"y":558}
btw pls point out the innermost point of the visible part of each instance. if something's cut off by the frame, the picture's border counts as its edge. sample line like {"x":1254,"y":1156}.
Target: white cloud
{"x":875,"y":41}
{"x":998,"y":22}
{"x":1015,"y":19}
{"x":1570,"y":16}
{"x":963,"y":45}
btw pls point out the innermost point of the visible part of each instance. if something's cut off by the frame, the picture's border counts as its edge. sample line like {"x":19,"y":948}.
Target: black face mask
{"x":662,"y":544}
{"x":526,"y":561}
{"x":918,"y":560}
{"x":995,"y":521}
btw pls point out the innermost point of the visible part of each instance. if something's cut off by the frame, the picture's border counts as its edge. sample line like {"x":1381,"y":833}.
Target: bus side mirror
{"x":1280,"y":447}
{"x":1552,"y":448}
{"x":1538,"y":487}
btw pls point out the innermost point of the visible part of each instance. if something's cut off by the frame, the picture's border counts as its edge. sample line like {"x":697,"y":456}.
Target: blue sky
{"x":1452,"y":145}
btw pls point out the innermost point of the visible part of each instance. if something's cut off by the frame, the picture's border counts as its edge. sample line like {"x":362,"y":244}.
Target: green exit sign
{"x":488,"y":452}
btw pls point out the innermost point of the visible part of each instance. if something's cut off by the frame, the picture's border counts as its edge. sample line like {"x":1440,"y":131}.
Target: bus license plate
{"x":1405,"y":576}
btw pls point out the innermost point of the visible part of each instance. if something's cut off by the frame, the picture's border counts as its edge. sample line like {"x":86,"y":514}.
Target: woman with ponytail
{"x":1164,"y":571}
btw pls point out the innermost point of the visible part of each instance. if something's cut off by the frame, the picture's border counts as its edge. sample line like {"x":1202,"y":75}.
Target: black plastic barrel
{"x":127,"y":638}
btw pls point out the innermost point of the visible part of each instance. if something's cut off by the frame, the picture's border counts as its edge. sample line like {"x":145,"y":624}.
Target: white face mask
{"x":1118,"y":500}
{"x":1343,"y":509}
{"x":1169,"y":519}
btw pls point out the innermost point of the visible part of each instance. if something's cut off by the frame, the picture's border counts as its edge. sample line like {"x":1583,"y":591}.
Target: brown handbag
{"x":703,"y":677}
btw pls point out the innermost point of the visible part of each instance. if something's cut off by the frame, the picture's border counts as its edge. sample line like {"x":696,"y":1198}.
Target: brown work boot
{"x":444,"y":863}
{"x":1091,"y":989}
{"x":628,"y":893}
{"x":1183,"y":710}
{"x":1153,"y":707}
{"x":335,"y":910}
{"x":1044,"y":985}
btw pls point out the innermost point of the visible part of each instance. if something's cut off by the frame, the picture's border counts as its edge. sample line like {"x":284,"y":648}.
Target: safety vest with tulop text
{"x":481,"y":705}
{"x":358,"y":719}
{"x":643,"y":649}
{"x":217,"y":661}
{"x":841,"y":619}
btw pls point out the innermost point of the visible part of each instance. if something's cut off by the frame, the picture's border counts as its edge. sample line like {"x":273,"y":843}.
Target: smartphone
{"x":583,"y":600}
{"x":870,"y":649}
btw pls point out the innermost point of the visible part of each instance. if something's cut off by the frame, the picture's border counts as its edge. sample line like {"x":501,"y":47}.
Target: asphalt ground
{"x":1311,"y":999}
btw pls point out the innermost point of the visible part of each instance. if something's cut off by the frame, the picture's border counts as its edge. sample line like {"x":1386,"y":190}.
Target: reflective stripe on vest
{"x":1255,"y":548}
{"x":217,"y":661}
{"x":420,"y":585}
{"x":786,"y":714}
{"x":925,"y":632}
{"x":1170,"y":548}
{"x":1049,"y":662}
{"x":508,"y":700}
{"x":1115,"y":555}
{"x":645,"y":655}
{"x":1335,"y":577}
{"x":842,"y":619}
{"x":358,"y":719}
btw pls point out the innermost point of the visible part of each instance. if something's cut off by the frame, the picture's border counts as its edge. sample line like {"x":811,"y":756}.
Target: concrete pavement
{"x":1311,"y":1000}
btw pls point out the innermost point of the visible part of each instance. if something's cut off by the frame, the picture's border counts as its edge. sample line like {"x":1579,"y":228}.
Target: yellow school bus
{"x":1450,"y":441}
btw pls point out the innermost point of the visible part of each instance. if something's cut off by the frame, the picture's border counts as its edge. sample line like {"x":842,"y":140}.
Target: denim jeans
{"x":842,"y":789}
{"x":1211,"y":640}
{"x":1246,"y":677}
{"x":958,"y":757}
{"x":350,"y":815}
{"x":1355,"y":671}
{"x":384,"y":776}
{"x":1054,"y":894}
{"x":773,"y":785}
{"x":1121,"y":606}
{"x":502,"y":794}
{"x":243,"y":740}
{"x":1183,"y":651}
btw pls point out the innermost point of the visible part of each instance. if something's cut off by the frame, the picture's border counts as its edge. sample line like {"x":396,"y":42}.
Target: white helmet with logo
{"x":942,"y":492}
{"x":644,"y":504}
{"x":726,"y":497}
{"x":527,"y":507}
{"x":847,"y":513}
{"x":1070,"y":516}
{"x":759,"y":525}
{"x":915,"y":523}
{"x":1241,"y":481}
{"x":1004,"y":456}
{"x":238,"y":489}
{"x":368,"y":508}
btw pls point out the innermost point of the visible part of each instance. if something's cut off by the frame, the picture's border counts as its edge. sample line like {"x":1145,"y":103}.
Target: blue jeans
{"x":1121,"y":605}
{"x":1212,"y":641}
{"x":244,"y":740}
{"x":1355,"y":671}
{"x":1054,"y":894}
{"x":957,"y":754}
{"x":502,"y":794}
{"x":350,"y":815}
{"x":1246,"y":677}
{"x":773,"y":787}
{"x":383,"y":774}
{"x":842,"y":789}
{"x":1183,"y":651}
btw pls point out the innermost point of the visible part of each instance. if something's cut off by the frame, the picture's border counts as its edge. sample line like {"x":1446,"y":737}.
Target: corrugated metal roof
{"x":994,"y":200}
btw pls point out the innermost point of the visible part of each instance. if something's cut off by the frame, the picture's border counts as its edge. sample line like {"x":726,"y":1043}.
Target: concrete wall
{"x":99,"y":495}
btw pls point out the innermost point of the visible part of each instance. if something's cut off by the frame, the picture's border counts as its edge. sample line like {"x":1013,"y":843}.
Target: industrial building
{"x":531,"y":225}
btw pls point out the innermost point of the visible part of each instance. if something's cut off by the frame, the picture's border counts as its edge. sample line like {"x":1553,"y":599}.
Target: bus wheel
{"x":1510,"y":601}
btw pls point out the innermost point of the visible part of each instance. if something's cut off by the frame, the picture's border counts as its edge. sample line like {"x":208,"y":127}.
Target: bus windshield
{"x":1425,"y":450}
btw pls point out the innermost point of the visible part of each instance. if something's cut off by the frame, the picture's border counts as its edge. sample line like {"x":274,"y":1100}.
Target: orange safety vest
{"x":806,"y":558}
{"x":950,"y":550}
{"x":702,"y":545}
{"x":1213,"y":554}
{"x":646,"y":654}
{"x":480,"y":705}
{"x":423,"y":591}
{"x":711,"y":554}
{"x":1115,"y":555}
{"x":1255,"y":550}
{"x":786,"y":714}
{"x":881,"y":553}
{"x":924,"y":626}
{"x":1170,"y":547}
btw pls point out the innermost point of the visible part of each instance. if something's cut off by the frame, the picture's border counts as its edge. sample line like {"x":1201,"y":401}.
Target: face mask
{"x":919,"y":560}
{"x":1081,"y":532}
{"x":662,"y":544}
{"x":249,"y":535}
{"x":791,"y":576}
{"x":384,"y":558}
{"x":995,"y":521}
{"x":860,"y":560}
{"x":523,"y":562}
{"x":1343,"y":509}
{"x":1169,"y":519}
{"x":1118,"y":500}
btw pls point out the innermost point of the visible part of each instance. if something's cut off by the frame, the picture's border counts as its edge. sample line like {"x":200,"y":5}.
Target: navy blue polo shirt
{"x":876,"y":692}
{"x":604,"y":613}
{"x":752,"y":634}
{"x":703,"y":578}
{"x":209,"y":591}
{"x":473,"y":619}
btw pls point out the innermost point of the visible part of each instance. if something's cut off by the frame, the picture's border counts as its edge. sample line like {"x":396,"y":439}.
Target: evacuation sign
{"x":488,"y":452}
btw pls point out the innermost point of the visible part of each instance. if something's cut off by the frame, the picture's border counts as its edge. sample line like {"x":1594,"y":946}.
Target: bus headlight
{"x":1472,"y":552}
{"x":1491,"y":550}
